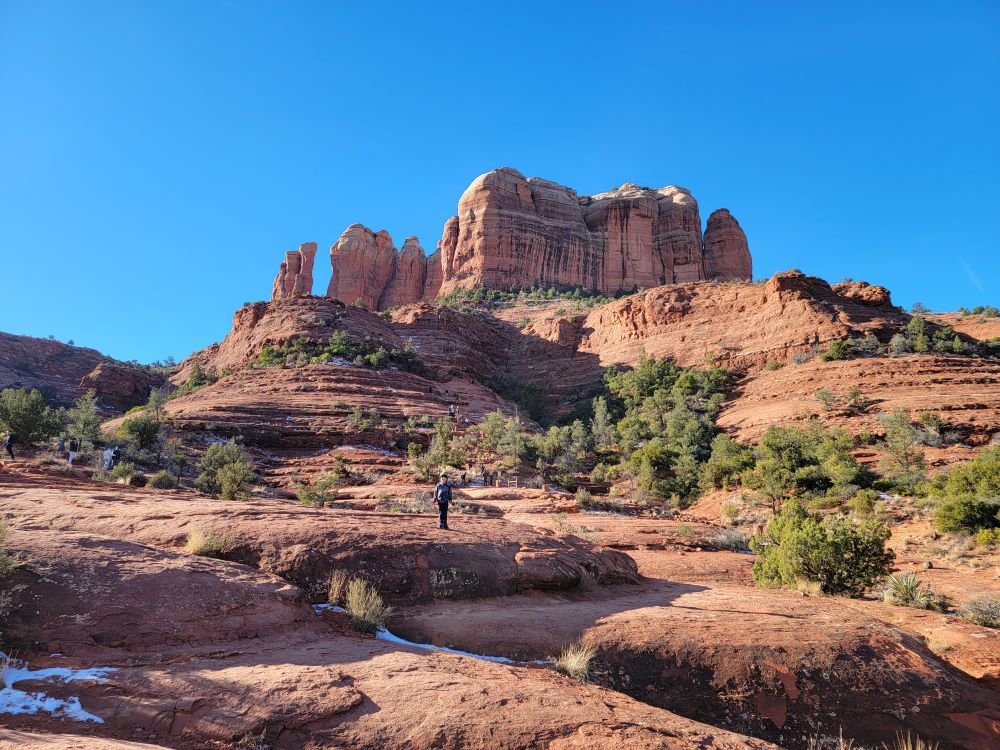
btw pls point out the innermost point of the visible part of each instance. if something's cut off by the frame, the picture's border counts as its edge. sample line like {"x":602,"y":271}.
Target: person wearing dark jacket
{"x":8,"y":444}
{"x":74,"y":446}
{"x":442,"y":496}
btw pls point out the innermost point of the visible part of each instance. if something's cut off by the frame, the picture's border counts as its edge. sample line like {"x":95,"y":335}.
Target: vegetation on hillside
{"x":365,"y":353}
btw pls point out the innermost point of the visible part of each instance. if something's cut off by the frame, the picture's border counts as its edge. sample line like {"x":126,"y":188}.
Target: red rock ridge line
{"x":513,"y":231}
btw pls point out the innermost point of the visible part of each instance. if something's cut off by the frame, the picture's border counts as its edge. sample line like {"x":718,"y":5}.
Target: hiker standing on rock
{"x":8,"y":444}
{"x":442,"y":496}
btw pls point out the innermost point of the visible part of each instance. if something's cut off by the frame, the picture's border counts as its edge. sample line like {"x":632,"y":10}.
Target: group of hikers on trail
{"x":110,"y":458}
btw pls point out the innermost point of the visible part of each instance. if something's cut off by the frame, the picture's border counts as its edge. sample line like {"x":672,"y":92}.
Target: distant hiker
{"x":107,"y":457}
{"x":442,"y":496}
{"x":463,"y":478}
{"x":61,"y":448}
{"x":74,"y":446}
{"x":451,"y":410}
{"x":116,"y":456}
{"x":8,"y":444}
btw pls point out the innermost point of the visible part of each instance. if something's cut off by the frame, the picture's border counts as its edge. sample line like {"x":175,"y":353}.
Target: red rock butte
{"x":513,"y":231}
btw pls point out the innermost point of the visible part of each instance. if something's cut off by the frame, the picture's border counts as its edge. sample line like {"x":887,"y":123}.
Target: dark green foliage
{"x":903,"y":461}
{"x":7,"y":563}
{"x":163,"y":480}
{"x":142,"y":432}
{"x":199,"y":377}
{"x":803,"y":462}
{"x":226,"y":471}
{"x":979,"y":478}
{"x":83,"y":420}
{"x":967,"y":514}
{"x":27,"y":415}
{"x":842,"y":557}
{"x":727,"y":462}
{"x":528,"y":397}
{"x":365,"y":353}
{"x":665,"y":424}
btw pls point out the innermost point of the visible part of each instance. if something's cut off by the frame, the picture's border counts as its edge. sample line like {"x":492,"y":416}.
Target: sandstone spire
{"x":295,"y":277}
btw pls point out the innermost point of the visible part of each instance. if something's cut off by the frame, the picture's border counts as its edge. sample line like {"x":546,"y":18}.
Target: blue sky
{"x":157,"y":159}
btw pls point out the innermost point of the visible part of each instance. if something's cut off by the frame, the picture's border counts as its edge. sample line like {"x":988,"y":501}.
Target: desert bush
{"x":321,"y":491}
{"x":862,"y":503}
{"x":988,"y":537}
{"x":771,"y":365}
{"x":213,"y":469}
{"x":574,"y":661}
{"x":123,"y":472}
{"x":907,"y":590}
{"x":583,"y":497}
{"x":142,"y":432}
{"x":206,"y":543}
{"x":903,"y":461}
{"x":7,"y":562}
{"x":338,"y":586}
{"x":685,"y":531}
{"x":364,"y":603}
{"x":728,"y":539}
{"x":163,"y":480}
{"x":26,"y":414}
{"x":235,"y":480}
{"x":966,"y":514}
{"x":983,"y":610}
{"x":842,"y":557}
{"x":83,"y":421}
{"x":978,"y":478}
{"x":726,"y":463}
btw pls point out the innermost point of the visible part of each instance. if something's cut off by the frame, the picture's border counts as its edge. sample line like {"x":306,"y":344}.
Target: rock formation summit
{"x":513,"y":231}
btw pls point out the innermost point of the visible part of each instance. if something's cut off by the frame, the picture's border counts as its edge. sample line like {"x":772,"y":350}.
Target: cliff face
{"x":295,"y":277}
{"x":516,"y":231}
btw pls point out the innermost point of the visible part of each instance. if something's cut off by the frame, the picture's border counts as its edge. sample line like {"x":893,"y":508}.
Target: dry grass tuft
{"x":574,"y":661}
{"x":364,"y":603}
{"x":206,"y":543}
{"x":338,"y":587}
{"x":910,"y":742}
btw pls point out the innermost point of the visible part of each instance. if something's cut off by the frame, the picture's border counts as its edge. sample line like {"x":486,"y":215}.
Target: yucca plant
{"x":911,"y":742}
{"x":574,"y":661}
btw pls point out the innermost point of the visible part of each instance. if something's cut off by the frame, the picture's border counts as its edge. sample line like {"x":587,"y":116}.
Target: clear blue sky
{"x":157,"y":158}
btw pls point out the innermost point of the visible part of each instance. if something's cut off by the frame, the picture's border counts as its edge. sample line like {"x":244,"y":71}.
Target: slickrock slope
{"x":295,"y":278}
{"x":768,"y":663}
{"x":740,"y":325}
{"x":285,"y":676}
{"x":975,"y":326}
{"x":963,"y":391}
{"x":62,"y":372}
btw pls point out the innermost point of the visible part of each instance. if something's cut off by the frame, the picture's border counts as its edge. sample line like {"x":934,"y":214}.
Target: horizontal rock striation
{"x":513,"y":231}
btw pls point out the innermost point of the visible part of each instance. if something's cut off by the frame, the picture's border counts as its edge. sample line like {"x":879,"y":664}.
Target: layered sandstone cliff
{"x":295,"y":277}
{"x":513,"y":231}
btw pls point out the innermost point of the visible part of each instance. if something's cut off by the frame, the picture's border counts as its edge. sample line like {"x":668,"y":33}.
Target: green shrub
{"x":163,"y":480}
{"x":365,"y":605}
{"x":966,"y":514}
{"x":26,"y":414}
{"x":983,"y":610}
{"x":123,"y":472}
{"x":322,"y":491}
{"x":903,"y":460}
{"x":988,"y":537}
{"x":217,"y":478}
{"x":839,"y":556}
{"x":726,"y":463}
{"x":862,"y":503}
{"x":143,"y":432}
{"x":907,"y":590}
{"x":337,"y":588}
{"x":83,"y":420}
{"x":979,"y":478}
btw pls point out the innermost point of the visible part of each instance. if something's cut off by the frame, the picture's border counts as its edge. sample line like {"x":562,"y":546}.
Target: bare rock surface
{"x":963,"y":391}
{"x":121,"y":386}
{"x":295,"y":277}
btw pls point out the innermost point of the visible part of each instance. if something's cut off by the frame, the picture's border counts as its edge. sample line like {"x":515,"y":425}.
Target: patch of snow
{"x":14,"y":701}
{"x":385,"y":635}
